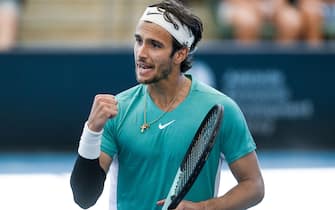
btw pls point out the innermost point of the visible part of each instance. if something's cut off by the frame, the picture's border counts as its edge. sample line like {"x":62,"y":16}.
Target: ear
{"x":180,"y":55}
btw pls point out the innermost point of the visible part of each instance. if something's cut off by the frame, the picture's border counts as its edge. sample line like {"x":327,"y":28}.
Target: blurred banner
{"x":287,"y":97}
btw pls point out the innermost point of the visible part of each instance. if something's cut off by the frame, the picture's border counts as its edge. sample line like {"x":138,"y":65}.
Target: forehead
{"x":153,"y":31}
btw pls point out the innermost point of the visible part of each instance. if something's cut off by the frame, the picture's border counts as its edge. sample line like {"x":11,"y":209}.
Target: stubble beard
{"x":163,"y":74}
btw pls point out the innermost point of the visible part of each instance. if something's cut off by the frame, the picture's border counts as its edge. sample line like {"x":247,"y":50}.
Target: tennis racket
{"x":195,"y":157}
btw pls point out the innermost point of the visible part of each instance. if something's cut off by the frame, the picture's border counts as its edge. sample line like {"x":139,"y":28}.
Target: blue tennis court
{"x":294,"y":180}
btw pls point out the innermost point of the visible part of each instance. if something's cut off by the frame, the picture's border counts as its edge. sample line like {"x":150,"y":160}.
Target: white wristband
{"x":89,"y":145}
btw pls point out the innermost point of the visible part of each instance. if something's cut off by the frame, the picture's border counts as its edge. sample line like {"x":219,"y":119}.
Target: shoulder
{"x":202,"y":88}
{"x":212,"y":95}
{"x":130,"y":93}
{"x":127,"y":99}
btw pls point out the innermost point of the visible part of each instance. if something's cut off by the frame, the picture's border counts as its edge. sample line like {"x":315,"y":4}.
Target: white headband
{"x":183,"y":34}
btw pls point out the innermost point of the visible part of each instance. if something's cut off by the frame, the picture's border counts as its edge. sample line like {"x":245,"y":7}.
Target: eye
{"x":138,"y":40}
{"x":156,"y":44}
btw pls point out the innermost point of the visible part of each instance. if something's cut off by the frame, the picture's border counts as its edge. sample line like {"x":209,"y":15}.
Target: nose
{"x":141,"y":51}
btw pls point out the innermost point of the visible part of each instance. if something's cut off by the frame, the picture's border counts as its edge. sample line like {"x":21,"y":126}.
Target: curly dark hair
{"x":185,"y":16}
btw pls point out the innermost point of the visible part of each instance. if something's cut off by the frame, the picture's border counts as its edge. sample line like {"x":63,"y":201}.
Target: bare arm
{"x":250,"y":188}
{"x":248,"y":192}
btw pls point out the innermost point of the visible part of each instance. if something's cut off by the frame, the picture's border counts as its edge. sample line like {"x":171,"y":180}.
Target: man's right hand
{"x":104,"y":107}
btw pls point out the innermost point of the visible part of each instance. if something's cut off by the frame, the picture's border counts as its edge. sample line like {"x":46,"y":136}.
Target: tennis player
{"x":146,"y":130}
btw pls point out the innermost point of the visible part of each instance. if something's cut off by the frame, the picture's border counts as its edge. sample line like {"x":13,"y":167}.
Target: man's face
{"x":152,"y":51}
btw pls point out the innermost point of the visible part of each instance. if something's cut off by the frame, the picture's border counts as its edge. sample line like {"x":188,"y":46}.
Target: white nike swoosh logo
{"x":160,"y":126}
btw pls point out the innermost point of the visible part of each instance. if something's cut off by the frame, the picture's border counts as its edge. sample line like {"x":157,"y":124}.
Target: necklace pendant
{"x":144,"y":126}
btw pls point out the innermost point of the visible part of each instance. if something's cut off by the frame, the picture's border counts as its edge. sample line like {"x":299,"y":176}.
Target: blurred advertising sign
{"x":287,"y":97}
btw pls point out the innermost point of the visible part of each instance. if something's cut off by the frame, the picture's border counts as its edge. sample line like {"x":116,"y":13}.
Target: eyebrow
{"x":137,"y":36}
{"x":150,"y":40}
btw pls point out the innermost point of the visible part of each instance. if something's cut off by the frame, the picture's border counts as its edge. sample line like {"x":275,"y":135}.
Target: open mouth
{"x":144,"y":68}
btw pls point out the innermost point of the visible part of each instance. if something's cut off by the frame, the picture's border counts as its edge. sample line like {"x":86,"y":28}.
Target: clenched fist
{"x":104,"y":107}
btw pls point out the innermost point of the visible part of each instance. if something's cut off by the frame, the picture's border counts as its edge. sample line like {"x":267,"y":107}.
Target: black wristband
{"x":87,"y":181}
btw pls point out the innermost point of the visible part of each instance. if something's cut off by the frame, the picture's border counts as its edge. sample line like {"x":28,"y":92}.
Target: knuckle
{"x":106,"y":109}
{"x":97,"y":96}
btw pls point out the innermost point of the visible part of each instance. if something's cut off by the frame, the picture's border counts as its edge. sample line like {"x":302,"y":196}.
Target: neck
{"x":168,"y":94}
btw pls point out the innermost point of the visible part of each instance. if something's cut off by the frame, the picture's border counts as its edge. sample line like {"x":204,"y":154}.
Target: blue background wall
{"x":286,"y":95}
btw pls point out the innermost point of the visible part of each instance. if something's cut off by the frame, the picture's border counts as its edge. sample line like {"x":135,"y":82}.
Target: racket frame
{"x":172,"y":200}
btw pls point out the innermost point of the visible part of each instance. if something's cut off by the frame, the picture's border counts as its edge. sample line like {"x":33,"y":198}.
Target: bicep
{"x":250,"y":186}
{"x":105,"y":161}
{"x":246,"y":168}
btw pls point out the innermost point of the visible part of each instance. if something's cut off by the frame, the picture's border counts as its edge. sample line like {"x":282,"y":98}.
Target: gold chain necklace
{"x":146,"y":124}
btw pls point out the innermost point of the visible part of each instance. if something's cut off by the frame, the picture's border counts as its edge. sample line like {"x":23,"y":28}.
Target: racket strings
{"x":197,"y":150}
